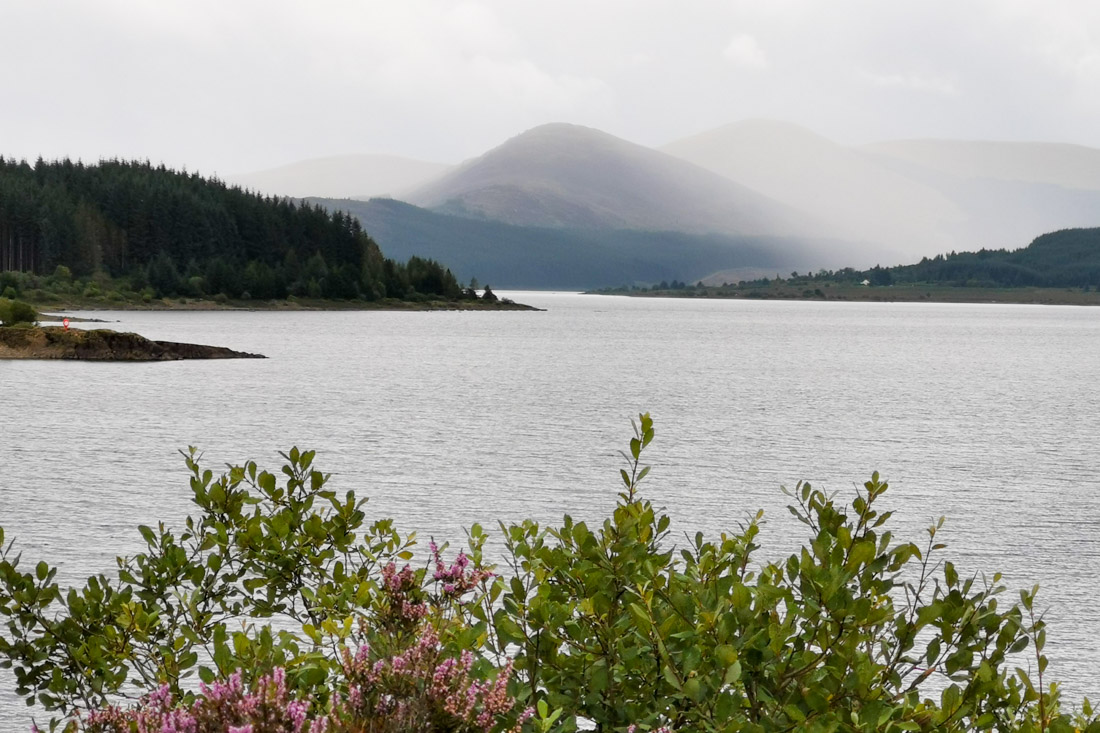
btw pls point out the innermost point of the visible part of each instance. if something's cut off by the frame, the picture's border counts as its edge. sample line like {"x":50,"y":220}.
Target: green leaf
{"x":733,"y":674}
{"x":312,"y":676}
{"x":147,"y":533}
{"x":862,"y":553}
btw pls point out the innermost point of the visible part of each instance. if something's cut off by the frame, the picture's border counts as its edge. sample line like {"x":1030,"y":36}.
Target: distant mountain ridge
{"x":564,"y":188}
{"x":1059,"y":164}
{"x":923,"y":196}
{"x":569,"y":176}
{"x":342,"y":176}
{"x":852,"y":193}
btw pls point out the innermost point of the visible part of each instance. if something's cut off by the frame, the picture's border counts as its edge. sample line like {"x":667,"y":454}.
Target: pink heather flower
{"x":218,"y":691}
{"x":296,"y":711}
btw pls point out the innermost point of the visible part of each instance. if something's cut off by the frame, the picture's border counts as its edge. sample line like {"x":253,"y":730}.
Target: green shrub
{"x":62,"y":274}
{"x":14,"y":312}
{"x":613,"y":622}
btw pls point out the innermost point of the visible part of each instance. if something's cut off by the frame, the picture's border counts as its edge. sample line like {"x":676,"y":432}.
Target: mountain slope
{"x":847,"y":189}
{"x":1010,"y":192}
{"x":342,"y":176}
{"x":567,"y":176}
{"x":510,"y":256}
{"x":922,"y":197}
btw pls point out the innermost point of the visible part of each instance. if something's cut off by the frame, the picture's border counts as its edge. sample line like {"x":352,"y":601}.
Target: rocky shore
{"x":54,"y":342}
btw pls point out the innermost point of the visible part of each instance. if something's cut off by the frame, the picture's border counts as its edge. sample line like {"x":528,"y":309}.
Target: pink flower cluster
{"x":459,"y":578}
{"x":224,"y":707}
{"x":405,"y":598}
{"x":419,"y":690}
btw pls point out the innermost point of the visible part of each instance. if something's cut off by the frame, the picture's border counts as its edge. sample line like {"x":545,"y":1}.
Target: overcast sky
{"x":231,"y":86}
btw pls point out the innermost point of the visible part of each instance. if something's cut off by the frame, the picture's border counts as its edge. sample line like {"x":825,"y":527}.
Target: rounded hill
{"x":569,"y":176}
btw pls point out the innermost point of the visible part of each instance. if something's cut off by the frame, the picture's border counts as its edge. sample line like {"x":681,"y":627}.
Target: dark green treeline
{"x":178,"y":233}
{"x":1066,"y":258}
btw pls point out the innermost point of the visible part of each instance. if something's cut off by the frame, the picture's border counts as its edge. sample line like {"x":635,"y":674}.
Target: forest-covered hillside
{"x":1066,"y":258}
{"x":1059,"y":267}
{"x":523,"y":257}
{"x":178,"y":233}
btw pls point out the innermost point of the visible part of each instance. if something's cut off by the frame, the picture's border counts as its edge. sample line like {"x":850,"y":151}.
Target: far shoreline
{"x":878,"y":294}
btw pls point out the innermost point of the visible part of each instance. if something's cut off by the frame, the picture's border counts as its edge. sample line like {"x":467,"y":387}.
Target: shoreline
{"x":881,"y":294}
{"x":57,"y":343}
{"x":56,"y":308}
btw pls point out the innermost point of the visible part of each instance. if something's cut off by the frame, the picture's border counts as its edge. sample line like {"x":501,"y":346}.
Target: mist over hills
{"x":1009,"y":193}
{"x":507,"y":255}
{"x":848,"y":190}
{"x":586,"y":209}
{"x":922,"y":197}
{"x":1060,"y":164}
{"x":342,"y":176}
{"x":568,"y":176}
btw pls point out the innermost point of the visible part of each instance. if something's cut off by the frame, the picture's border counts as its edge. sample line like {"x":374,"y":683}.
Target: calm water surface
{"x":987,"y":414}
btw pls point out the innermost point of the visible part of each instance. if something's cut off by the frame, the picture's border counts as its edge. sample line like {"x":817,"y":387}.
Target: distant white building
{"x":865,"y":282}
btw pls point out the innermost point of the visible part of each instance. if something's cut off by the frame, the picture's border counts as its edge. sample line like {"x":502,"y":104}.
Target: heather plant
{"x":268,"y":575}
{"x":418,"y":691}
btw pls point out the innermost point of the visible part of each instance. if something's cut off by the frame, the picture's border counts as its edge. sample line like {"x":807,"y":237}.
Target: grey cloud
{"x":232,"y":87}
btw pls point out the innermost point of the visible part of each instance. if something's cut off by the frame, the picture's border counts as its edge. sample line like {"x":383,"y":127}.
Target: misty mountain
{"x":512,"y":256}
{"x":849,"y":190}
{"x":922,"y":197}
{"x":568,"y":206}
{"x":1009,"y":192}
{"x":573,"y":177}
{"x":342,"y":176}
{"x":1067,"y":166}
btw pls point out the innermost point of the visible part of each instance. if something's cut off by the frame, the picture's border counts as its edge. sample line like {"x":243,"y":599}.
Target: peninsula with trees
{"x":123,"y":234}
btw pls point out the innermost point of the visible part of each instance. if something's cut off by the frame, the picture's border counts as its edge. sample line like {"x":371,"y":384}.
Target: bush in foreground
{"x":282,"y":599}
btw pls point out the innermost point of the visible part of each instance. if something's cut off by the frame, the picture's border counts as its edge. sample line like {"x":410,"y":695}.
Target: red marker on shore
{"x":65,"y":323}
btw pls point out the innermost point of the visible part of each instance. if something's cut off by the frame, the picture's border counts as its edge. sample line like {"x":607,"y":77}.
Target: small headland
{"x":56,"y":305}
{"x":54,"y":342}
